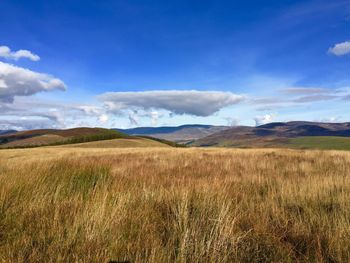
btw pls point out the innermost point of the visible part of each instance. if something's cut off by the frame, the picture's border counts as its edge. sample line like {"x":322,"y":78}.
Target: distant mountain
{"x":183,"y":133}
{"x":273,"y":134}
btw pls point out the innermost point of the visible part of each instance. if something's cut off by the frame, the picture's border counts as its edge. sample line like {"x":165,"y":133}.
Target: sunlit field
{"x":64,"y":204}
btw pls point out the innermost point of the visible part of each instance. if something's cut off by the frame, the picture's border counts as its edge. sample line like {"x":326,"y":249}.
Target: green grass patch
{"x":321,"y":142}
{"x":170,"y":143}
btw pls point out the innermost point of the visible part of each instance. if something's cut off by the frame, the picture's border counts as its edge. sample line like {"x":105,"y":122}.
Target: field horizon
{"x":294,"y":135}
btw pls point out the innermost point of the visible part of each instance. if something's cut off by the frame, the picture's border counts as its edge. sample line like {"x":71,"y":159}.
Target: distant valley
{"x":182,"y":134}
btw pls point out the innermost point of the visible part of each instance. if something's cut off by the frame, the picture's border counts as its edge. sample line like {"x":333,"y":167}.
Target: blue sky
{"x":143,"y":63}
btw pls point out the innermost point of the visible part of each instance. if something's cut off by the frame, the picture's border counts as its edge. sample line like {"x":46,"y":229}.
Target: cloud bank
{"x":340,"y":49}
{"x":17,"y":81}
{"x":192,"y":102}
{"x":6,"y":52}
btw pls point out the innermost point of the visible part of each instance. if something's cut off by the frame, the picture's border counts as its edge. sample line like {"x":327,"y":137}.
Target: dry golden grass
{"x":174,"y":205}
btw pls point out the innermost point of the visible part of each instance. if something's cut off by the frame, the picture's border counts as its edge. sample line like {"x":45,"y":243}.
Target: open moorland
{"x":75,"y":204}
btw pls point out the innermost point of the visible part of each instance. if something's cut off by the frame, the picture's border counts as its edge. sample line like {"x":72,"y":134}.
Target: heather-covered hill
{"x":277,"y":134}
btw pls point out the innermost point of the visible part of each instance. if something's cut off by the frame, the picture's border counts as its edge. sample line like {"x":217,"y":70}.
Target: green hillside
{"x":321,"y":142}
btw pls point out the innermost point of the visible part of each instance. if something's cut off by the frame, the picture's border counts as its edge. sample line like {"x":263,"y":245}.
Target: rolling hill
{"x":34,"y":138}
{"x":183,"y":133}
{"x":78,"y":137}
{"x":280,"y":134}
{"x":120,"y":143}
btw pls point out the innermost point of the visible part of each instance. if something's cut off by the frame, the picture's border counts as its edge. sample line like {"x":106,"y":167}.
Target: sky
{"x":122,"y":64}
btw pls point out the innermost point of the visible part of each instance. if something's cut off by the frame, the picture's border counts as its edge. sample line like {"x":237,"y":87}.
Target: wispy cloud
{"x":291,"y":98}
{"x":315,"y":98}
{"x":307,"y":90}
{"x":6,"y":52}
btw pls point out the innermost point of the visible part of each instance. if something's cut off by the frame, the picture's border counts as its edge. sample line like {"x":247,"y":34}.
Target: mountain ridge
{"x":182,"y":133}
{"x":273,"y":134}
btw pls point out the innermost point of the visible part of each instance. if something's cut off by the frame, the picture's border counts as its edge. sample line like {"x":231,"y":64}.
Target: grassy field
{"x":321,"y":142}
{"x":119,"y":143}
{"x":60,"y":204}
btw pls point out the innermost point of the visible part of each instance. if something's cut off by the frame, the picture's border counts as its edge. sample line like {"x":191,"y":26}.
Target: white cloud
{"x":192,"y":102}
{"x":92,"y":110}
{"x":340,"y":49}
{"x":25,"y":124}
{"x":35,"y":115}
{"x":103,"y":118}
{"x":154,"y":117}
{"x":2,"y":84}
{"x":17,"y":81}
{"x":6,"y":52}
{"x":260,"y":120}
{"x":89,"y":109}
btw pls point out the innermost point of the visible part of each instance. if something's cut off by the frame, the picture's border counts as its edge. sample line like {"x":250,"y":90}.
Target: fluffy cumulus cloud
{"x":6,"y":52}
{"x":17,"y":81}
{"x":340,"y":49}
{"x":192,"y":102}
{"x":25,"y":112}
{"x":260,"y":120}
